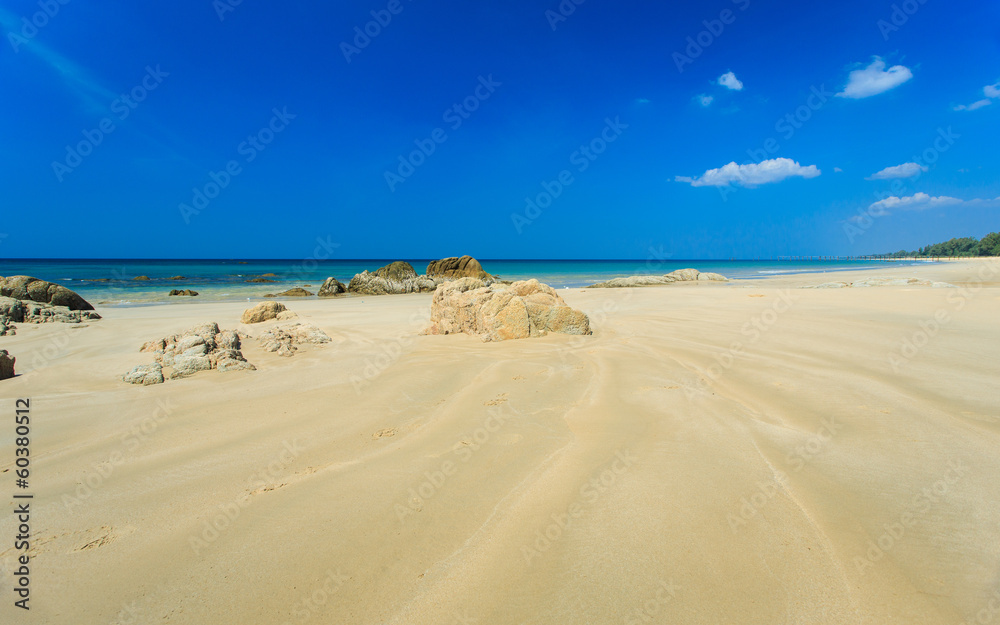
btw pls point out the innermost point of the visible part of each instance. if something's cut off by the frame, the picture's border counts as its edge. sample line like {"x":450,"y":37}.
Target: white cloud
{"x":730,"y":81}
{"x":906,"y":170}
{"x":971,"y":107}
{"x":915,"y":202}
{"x":990,"y":91}
{"x":642,"y":101}
{"x":874,"y":79}
{"x":751,"y":174}
{"x":837,"y":169}
{"x":704,"y":100}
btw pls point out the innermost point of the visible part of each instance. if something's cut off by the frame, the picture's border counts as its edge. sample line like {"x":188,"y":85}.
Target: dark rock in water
{"x":6,"y":365}
{"x":296,"y":292}
{"x":35,"y":290}
{"x":142,"y":278}
{"x":455,"y":267}
{"x":269,"y":275}
{"x":176,"y":278}
{"x":187,"y":292}
{"x":398,"y":270}
{"x":260,"y":280}
{"x":331,"y":287}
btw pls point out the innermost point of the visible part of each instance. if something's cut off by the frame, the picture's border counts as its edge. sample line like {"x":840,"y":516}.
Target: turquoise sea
{"x":111,"y":282}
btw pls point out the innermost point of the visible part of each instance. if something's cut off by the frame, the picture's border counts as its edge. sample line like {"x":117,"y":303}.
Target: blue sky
{"x":731,"y":128}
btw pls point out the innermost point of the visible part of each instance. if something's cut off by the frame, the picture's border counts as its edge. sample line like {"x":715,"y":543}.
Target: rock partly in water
{"x":145,"y":375}
{"x":264,"y":311}
{"x":501,"y":312}
{"x":201,"y":348}
{"x":6,"y":365}
{"x":261,"y":280}
{"x":393,"y":279}
{"x":680,"y":275}
{"x":141,"y":278}
{"x":187,"y":292}
{"x":456,"y":267}
{"x":296,"y":292}
{"x":35,"y":290}
{"x":176,"y":278}
{"x":284,"y":340}
{"x":331,"y":287}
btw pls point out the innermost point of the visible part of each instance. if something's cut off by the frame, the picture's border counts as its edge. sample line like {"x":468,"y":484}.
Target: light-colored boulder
{"x":633,"y":281}
{"x":284,"y":340}
{"x":685,"y":275}
{"x":188,"y":365}
{"x":712,"y":277}
{"x":145,"y":375}
{"x":501,"y":312}
{"x":264,"y":311}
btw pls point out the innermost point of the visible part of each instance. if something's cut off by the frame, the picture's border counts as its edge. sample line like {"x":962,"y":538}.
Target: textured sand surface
{"x":746,"y":452}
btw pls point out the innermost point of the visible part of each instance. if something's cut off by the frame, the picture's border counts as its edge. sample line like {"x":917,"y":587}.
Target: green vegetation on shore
{"x":965,"y":246}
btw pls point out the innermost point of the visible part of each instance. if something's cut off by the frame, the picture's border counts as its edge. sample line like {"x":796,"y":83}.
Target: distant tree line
{"x":965,"y":246}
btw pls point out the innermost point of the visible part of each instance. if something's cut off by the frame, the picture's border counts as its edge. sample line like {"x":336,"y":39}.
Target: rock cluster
{"x":201,"y":348}
{"x":35,"y":290}
{"x":457,"y":267}
{"x":187,"y":292}
{"x":395,"y":278}
{"x":284,"y":340}
{"x":499,"y":312}
{"x":17,"y":311}
{"x":400,"y":277}
{"x":680,"y":275}
{"x":6,"y":365}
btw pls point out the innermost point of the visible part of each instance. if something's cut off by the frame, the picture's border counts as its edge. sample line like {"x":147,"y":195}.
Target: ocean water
{"x":110,"y":282}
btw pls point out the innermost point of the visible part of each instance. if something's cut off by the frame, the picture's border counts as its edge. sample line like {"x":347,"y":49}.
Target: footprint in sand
{"x":105,"y":535}
{"x":496,"y":401}
{"x":755,"y":296}
{"x":266,"y":489}
{"x":517,"y":377}
{"x":384,"y":433}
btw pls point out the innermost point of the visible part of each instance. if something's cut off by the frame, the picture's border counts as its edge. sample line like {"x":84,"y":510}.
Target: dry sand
{"x":653,"y":472}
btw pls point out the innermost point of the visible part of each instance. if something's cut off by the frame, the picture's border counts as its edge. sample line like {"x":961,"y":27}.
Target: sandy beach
{"x":742,"y":452}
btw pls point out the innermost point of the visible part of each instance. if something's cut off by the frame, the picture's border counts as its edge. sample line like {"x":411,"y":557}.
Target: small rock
{"x":331,"y":287}
{"x":264,"y":311}
{"x":141,"y":278}
{"x":6,"y":365}
{"x":296,"y":292}
{"x":145,"y":375}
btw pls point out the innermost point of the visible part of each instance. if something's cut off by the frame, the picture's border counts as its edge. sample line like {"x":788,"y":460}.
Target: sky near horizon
{"x":533,"y":129}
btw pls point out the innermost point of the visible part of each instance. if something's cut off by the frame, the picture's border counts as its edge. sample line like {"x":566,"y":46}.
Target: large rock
{"x":15,"y":310}
{"x":6,"y":365}
{"x":331,"y":287}
{"x":28,"y":288}
{"x":680,"y":275}
{"x":264,"y":311}
{"x":632,"y":281}
{"x":499,"y":312}
{"x":393,"y":279}
{"x":457,"y":267}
